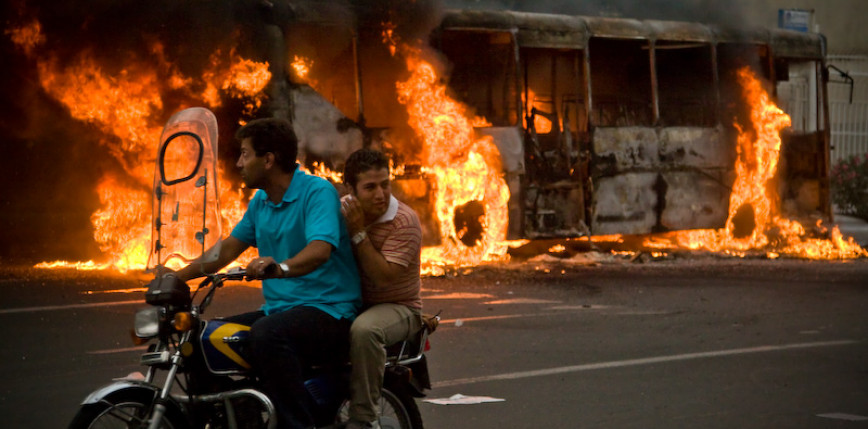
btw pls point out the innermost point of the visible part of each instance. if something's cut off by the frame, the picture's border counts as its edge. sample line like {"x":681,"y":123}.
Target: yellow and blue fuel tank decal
{"x":225,"y":345}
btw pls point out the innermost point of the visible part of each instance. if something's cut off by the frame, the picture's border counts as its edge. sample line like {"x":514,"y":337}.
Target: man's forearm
{"x":230,"y":249}
{"x":375,"y":265}
{"x":310,"y":258}
{"x":198,"y":268}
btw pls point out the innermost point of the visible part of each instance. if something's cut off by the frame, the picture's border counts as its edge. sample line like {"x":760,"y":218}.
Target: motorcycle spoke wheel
{"x":123,"y":416}
{"x":123,"y":410}
{"x":393,"y":415}
{"x":128,"y":415}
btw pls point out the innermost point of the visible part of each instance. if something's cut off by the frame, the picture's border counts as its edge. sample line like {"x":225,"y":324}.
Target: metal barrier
{"x":848,"y":120}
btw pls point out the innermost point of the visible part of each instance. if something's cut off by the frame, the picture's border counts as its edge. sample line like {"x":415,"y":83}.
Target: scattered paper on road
{"x":459,"y":399}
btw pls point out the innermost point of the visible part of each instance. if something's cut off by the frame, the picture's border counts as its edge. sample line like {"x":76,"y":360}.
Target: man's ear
{"x":350,"y":190}
{"x":270,"y":159}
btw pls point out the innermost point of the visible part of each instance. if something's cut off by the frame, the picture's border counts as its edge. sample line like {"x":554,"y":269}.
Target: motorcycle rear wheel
{"x":124,"y":409}
{"x":397,"y":411}
{"x":408,"y":402}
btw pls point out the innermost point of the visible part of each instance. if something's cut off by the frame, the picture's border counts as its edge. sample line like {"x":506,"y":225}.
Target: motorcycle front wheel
{"x":124,"y":409}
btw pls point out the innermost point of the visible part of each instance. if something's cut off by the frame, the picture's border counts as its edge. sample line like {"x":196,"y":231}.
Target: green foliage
{"x":850,"y":185}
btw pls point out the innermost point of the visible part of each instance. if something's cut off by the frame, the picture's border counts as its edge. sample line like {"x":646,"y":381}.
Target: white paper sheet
{"x":459,"y":399}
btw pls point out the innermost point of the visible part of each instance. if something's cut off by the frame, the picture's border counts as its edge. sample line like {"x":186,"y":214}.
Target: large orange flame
{"x":465,"y":166}
{"x":754,"y":200}
{"x":127,"y":106}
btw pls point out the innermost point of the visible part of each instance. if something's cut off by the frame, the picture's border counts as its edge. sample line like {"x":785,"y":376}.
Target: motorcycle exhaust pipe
{"x":226,"y":397}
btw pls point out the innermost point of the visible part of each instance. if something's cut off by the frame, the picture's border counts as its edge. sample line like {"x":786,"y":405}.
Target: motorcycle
{"x":209,"y":384}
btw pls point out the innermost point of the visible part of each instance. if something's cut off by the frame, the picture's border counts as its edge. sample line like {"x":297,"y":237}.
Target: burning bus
{"x":619,"y":126}
{"x":605,"y":126}
{"x":504,"y":126}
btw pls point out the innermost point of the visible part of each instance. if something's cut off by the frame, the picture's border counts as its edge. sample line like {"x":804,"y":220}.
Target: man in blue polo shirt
{"x":310,"y":282}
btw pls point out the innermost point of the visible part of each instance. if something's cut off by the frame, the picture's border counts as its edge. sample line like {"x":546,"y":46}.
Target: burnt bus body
{"x":604,"y":125}
{"x":619,"y":126}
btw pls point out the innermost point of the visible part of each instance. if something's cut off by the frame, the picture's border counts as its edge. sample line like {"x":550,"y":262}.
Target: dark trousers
{"x":283,"y":345}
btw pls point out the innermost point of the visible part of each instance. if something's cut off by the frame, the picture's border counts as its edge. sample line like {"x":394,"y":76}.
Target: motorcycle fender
{"x":98,"y":394}
{"x":401,"y":378}
{"x":421,"y":379}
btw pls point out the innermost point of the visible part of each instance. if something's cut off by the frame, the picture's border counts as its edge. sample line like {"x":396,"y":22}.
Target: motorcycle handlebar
{"x":217,"y":280}
{"x":233,"y":274}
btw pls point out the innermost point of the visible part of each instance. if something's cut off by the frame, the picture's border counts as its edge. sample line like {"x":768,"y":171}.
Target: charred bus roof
{"x":571,"y":32}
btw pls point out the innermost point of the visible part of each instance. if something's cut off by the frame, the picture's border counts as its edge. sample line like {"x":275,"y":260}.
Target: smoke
{"x":413,"y":20}
{"x":47,"y":183}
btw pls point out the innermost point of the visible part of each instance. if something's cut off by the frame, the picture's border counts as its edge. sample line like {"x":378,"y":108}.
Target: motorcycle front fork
{"x":160,"y":403}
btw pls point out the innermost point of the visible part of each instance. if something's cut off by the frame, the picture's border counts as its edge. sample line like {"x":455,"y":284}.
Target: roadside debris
{"x":459,"y":399}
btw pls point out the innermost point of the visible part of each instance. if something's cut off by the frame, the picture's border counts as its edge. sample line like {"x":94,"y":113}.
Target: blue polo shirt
{"x":310,"y":210}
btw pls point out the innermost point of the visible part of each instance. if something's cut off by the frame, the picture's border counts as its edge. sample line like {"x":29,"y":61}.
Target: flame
{"x":557,"y":248}
{"x":302,"y":66}
{"x":243,"y":79}
{"x":754,"y":197}
{"x":541,"y":124}
{"x":81,"y":266}
{"x":127,"y":106}
{"x":466,"y":168}
{"x":322,"y":170}
{"x":390,"y":39}
{"x":27,"y":37}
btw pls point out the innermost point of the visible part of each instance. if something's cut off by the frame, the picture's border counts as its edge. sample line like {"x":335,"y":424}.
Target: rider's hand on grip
{"x":262,"y":268}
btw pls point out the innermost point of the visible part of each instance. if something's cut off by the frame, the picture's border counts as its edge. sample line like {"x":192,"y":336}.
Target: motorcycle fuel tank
{"x":224,"y":345}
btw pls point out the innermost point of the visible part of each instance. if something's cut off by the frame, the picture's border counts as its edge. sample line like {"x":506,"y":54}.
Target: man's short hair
{"x":273,"y":135}
{"x":361,"y":161}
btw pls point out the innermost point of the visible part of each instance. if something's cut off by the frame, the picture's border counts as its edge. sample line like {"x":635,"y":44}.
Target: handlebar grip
{"x":272,"y":270}
{"x":235,"y":274}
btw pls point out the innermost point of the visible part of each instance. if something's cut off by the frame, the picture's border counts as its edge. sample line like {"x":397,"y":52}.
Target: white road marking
{"x":123,"y":350}
{"x":447,"y":322}
{"x":129,"y":290}
{"x":459,"y":295}
{"x":521,"y":301}
{"x":68,"y":306}
{"x":843,"y":416}
{"x":640,"y":361}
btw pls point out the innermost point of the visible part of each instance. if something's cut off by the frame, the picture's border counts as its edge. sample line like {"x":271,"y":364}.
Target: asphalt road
{"x":689,"y":342}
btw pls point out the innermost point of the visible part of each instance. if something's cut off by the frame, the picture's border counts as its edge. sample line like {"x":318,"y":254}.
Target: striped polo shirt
{"x":397,"y":235}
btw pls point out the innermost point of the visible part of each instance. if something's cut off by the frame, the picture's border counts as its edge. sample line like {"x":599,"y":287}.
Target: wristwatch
{"x":284,"y":269}
{"x":360,"y":237}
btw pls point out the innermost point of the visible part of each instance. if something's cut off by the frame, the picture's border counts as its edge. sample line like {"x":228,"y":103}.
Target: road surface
{"x":582,"y":343}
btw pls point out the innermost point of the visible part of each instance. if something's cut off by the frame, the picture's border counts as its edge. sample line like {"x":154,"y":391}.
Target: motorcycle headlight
{"x":147,"y":322}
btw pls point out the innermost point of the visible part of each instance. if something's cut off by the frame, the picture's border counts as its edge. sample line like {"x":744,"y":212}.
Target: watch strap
{"x":359,"y":237}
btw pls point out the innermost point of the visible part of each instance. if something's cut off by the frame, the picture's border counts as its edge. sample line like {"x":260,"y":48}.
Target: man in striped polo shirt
{"x":387,"y":241}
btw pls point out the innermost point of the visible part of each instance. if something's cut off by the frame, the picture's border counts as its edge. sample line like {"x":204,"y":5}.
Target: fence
{"x":848,"y":120}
